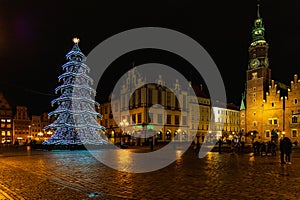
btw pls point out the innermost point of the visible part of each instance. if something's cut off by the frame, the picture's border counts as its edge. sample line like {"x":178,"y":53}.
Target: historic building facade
{"x":135,"y":111}
{"x":6,"y":120}
{"x":267,"y":110}
{"x":21,"y":124}
{"x":26,"y":128}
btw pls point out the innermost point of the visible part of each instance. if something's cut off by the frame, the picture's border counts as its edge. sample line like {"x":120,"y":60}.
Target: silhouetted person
{"x":16,"y":143}
{"x":285,"y":150}
{"x":256,"y":148}
{"x":273,"y":148}
{"x":220,"y":142}
{"x":243,"y":140}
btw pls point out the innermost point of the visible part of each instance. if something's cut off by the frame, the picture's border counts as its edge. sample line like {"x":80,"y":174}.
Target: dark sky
{"x":36,"y":35}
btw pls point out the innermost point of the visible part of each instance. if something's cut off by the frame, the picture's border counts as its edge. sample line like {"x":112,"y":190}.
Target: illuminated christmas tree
{"x":76,"y":118}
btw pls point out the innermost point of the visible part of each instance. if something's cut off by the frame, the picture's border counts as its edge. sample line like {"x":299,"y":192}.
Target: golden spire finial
{"x":76,"y":40}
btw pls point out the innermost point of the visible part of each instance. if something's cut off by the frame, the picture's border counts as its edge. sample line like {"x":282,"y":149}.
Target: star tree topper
{"x":76,"y":40}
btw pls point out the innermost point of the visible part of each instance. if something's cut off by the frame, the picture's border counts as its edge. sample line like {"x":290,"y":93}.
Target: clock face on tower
{"x":254,"y":63}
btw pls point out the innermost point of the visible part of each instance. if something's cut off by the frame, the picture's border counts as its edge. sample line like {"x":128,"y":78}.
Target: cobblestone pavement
{"x":76,"y":175}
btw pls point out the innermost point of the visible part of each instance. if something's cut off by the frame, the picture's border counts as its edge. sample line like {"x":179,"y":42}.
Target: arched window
{"x":176,"y":135}
{"x":184,"y":136}
{"x":159,"y":135}
{"x":294,"y":119}
{"x":168,"y":135}
{"x":254,"y":123}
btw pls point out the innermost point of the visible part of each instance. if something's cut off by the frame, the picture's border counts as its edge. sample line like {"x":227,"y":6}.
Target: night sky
{"x":36,"y":35}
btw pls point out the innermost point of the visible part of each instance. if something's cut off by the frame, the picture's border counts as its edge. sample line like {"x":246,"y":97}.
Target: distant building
{"x":6,"y":128}
{"x":36,"y":127}
{"x":140,"y":109}
{"x":21,"y":124}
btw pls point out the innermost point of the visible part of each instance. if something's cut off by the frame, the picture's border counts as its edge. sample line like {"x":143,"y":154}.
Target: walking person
{"x":285,"y":150}
{"x":288,"y":150}
{"x":232,"y":147}
{"x":16,"y":143}
{"x":243,"y":140}
{"x":273,"y":148}
{"x":220,"y":142}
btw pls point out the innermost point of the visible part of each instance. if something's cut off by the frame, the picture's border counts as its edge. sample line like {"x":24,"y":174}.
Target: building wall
{"x":36,"y":126}
{"x":136,"y":110}
{"x":6,"y":129}
{"x":292,"y":111}
{"x":21,"y":124}
{"x":272,"y":113}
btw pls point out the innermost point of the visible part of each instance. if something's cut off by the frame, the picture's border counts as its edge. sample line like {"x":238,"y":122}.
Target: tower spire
{"x":258,"y":31}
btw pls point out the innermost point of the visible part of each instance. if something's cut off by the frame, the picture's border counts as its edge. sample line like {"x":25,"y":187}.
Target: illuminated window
{"x":8,"y":125}
{"x":294,"y":133}
{"x":3,"y":133}
{"x":150,"y":117}
{"x":139,"y":117}
{"x":169,"y":119}
{"x":159,"y":119}
{"x":294,"y":119}
{"x":133,"y":118}
{"x":8,"y":120}
{"x":183,"y":120}
{"x":177,"y":119}
{"x":254,"y":75}
{"x":8,"y":133}
{"x":2,"y":120}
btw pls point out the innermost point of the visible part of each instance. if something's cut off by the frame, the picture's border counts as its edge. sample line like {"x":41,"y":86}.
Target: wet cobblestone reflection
{"x":78,"y":175}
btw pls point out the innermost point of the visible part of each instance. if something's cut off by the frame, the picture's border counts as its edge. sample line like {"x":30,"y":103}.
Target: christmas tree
{"x":76,"y":118}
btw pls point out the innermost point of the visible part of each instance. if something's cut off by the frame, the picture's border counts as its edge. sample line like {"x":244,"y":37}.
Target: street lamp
{"x":29,"y":132}
{"x":124,"y":123}
{"x":252,"y":137}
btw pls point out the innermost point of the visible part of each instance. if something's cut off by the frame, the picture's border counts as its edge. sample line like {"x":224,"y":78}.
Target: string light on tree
{"x":76,"y":118}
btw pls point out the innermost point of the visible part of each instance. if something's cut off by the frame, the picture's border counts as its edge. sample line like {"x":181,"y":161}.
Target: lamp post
{"x":144,"y":125}
{"x":124,"y":123}
{"x":283,"y":134}
{"x":29,"y":132}
{"x":252,"y":137}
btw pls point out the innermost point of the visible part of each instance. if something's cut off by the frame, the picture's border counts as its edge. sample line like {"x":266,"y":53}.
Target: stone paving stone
{"x":76,"y":174}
